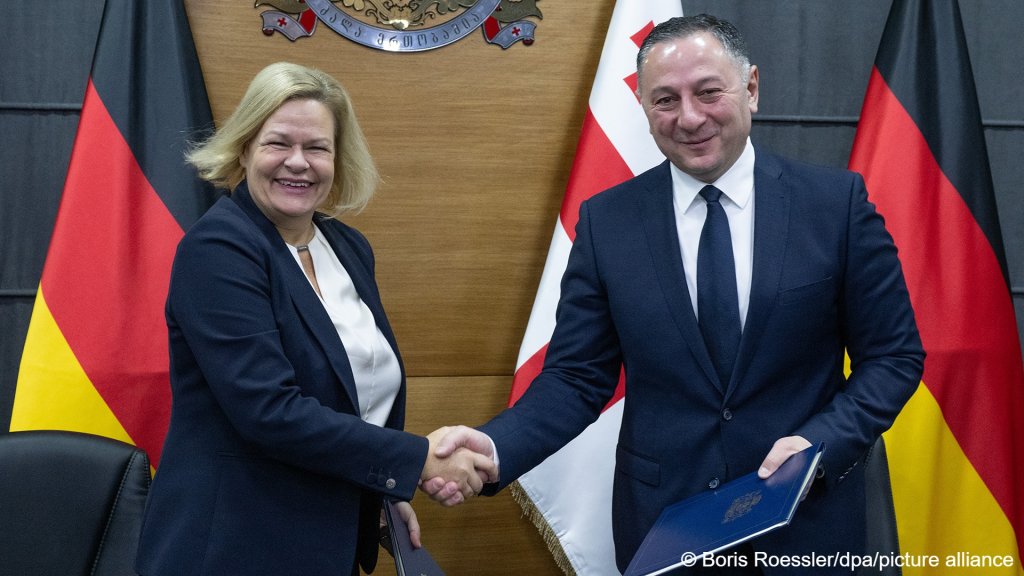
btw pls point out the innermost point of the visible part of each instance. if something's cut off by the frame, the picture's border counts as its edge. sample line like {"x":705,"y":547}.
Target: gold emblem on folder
{"x":741,"y":506}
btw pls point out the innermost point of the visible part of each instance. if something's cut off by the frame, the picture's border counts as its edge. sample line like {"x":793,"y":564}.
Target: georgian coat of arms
{"x":404,"y":25}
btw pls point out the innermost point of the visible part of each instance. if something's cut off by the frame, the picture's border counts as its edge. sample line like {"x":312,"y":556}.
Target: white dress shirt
{"x":737,"y":186}
{"x":374,"y":364}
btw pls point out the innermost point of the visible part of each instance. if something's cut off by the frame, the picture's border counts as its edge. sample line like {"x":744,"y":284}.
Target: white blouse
{"x":374,"y":364}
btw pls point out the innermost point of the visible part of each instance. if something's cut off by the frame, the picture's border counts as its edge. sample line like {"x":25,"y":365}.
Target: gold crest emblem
{"x":404,"y":25}
{"x":742,"y":506}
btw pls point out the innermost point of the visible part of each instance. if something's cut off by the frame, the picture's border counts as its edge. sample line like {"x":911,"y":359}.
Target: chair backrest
{"x":70,"y":504}
{"x":882,"y":536}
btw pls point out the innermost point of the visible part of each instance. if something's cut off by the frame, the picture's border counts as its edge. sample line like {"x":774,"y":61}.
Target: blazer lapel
{"x":659,"y":222}
{"x":771,"y":225}
{"x":361,"y":273}
{"x":307,"y":304}
{"x":356,"y":262}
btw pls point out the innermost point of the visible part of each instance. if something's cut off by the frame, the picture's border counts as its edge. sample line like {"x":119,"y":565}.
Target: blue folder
{"x":408,"y":560}
{"x":717,"y":520}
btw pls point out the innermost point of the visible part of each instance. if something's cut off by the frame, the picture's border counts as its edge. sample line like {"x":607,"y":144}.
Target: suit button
{"x":726,"y":414}
{"x":391,"y":484}
{"x":714,"y":483}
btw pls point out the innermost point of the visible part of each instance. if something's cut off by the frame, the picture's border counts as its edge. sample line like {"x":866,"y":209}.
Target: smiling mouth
{"x":697,"y":142}
{"x":295,"y":185}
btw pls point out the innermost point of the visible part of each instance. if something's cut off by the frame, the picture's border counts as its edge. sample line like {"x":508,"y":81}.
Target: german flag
{"x":957,"y":448}
{"x":95,"y":357}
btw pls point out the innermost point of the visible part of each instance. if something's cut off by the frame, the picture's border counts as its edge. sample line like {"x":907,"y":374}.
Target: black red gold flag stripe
{"x":95,"y":357}
{"x":956,"y":449}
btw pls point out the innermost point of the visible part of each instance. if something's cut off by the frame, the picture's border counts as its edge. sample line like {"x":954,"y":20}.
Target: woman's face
{"x":289,"y":165}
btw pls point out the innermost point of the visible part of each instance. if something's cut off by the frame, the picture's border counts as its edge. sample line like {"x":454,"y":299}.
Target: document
{"x":408,"y":560}
{"x":734,"y":513}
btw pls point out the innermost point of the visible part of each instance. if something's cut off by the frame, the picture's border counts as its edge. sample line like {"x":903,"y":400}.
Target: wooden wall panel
{"x":475,"y":144}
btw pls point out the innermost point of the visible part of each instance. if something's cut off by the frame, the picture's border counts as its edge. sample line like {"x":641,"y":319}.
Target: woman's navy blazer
{"x":267,"y":467}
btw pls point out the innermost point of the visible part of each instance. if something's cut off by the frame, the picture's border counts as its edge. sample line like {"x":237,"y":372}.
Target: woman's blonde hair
{"x":217,"y":159}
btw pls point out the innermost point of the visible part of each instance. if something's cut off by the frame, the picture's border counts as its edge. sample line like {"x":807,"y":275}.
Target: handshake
{"x":460,"y":461}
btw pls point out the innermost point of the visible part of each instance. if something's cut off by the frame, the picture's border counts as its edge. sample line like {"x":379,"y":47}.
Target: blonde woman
{"x":288,"y":391}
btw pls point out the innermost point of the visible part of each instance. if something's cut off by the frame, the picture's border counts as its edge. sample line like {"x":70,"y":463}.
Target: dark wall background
{"x":815,"y":57}
{"x":45,"y":54}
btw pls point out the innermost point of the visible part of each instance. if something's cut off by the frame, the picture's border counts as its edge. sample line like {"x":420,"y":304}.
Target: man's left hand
{"x":780,"y":452}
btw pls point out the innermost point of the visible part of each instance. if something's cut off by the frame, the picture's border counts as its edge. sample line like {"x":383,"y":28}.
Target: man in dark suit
{"x":733,"y":355}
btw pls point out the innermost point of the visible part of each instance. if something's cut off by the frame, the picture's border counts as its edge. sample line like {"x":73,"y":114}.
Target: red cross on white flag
{"x":569,"y":495}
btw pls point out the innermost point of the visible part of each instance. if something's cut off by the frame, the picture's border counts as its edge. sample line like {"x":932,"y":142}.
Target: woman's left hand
{"x":409,"y":515}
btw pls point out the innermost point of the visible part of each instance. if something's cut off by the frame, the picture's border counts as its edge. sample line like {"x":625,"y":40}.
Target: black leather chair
{"x":881,"y":513}
{"x":70,"y":504}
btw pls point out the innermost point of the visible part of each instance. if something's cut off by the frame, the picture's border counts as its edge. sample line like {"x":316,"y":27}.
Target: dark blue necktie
{"x":718,"y":309}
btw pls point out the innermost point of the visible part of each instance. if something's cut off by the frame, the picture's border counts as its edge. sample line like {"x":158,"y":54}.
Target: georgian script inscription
{"x":404,"y":25}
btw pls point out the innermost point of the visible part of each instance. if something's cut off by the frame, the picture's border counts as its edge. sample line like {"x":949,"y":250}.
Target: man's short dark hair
{"x":684,"y":26}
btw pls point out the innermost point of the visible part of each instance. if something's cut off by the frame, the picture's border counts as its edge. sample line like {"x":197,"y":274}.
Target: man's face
{"x":697,"y":104}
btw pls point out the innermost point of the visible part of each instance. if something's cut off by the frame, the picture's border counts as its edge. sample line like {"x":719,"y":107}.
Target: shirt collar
{"x":737,"y":184}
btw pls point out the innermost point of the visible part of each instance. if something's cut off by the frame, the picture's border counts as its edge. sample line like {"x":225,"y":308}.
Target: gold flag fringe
{"x":550,"y":538}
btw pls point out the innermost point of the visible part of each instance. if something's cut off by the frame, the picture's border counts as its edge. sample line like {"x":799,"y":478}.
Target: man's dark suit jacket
{"x":267,"y":467}
{"x":826,"y":280}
